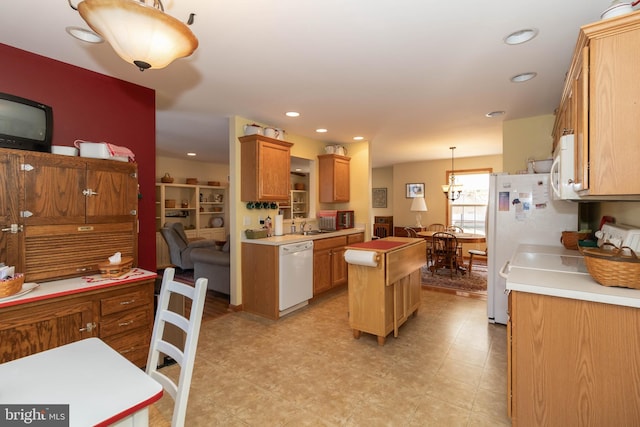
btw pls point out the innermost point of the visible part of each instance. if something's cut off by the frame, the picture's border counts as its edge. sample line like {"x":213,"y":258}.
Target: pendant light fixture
{"x":139,"y":31}
{"x":452,"y":190}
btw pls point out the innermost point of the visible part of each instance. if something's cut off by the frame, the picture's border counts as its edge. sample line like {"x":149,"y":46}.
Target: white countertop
{"x":565,"y":284}
{"x":295,"y":238}
{"x":56,"y":288}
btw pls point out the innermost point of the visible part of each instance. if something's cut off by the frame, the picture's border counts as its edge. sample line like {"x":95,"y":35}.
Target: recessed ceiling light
{"x":358,"y":138}
{"x":292,"y":114}
{"x":523,"y":77}
{"x":321,"y":130}
{"x":494,"y":114}
{"x":191,"y":154}
{"x":84,"y":35}
{"x":521,"y":36}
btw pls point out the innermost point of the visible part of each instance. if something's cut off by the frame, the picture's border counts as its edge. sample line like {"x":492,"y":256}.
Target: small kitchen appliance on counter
{"x":619,"y":235}
{"x":335,"y":220}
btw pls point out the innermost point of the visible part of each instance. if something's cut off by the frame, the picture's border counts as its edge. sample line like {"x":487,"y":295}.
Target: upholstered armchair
{"x":215,"y":266}
{"x":180,"y":247}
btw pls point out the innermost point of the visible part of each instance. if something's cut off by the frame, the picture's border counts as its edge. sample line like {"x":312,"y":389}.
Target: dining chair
{"x":436,"y":227}
{"x":445,"y":252}
{"x":411,"y":232}
{"x":475,"y":252}
{"x":433,"y":227}
{"x":184,"y":357}
{"x":455,"y":229}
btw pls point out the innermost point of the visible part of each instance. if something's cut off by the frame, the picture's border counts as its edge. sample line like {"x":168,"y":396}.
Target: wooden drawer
{"x":133,"y":345}
{"x":125,"y":322}
{"x":355,"y":238}
{"x":328,"y":243}
{"x":123,"y":302}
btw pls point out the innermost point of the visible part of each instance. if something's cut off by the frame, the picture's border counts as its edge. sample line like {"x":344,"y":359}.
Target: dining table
{"x":84,"y":383}
{"x":461,"y":239}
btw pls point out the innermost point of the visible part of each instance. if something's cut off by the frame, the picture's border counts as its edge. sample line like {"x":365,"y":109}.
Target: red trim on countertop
{"x":131,"y":410}
{"x":382,"y":245}
{"x":134,"y":276}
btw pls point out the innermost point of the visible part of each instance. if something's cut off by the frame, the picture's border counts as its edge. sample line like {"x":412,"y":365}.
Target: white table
{"x":100,"y":386}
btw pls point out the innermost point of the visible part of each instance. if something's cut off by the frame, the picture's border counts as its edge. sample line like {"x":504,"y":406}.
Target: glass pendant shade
{"x":140,"y":34}
{"x":452,"y":190}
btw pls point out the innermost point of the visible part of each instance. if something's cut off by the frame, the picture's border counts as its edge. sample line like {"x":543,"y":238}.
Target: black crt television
{"x":25,"y":124}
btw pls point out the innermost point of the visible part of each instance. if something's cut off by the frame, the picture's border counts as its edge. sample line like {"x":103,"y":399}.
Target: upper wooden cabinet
{"x":265,"y":169}
{"x":602,"y":94}
{"x":71,"y":190}
{"x":334,"y":178}
{"x":62,"y":216}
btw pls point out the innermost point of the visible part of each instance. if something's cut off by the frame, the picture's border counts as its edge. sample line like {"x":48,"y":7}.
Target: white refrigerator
{"x":521,"y":210}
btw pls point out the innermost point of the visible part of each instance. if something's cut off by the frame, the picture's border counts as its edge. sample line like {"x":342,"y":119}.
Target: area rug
{"x":474,"y":284}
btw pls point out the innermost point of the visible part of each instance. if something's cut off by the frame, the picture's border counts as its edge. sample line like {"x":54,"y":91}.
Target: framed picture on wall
{"x":415,"y":190}
{"x":379,"y":197}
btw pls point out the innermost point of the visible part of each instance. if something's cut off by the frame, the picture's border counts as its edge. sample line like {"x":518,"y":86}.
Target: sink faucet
{"x":303,"y":225}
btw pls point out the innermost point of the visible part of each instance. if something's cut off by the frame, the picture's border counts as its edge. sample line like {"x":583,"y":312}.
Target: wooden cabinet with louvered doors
{"x":334,"y":171}
{"x":72,"y":213}
{"x":265,"y":169}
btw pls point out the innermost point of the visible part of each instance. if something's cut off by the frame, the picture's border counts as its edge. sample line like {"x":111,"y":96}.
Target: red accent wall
{"x":93,"y":107}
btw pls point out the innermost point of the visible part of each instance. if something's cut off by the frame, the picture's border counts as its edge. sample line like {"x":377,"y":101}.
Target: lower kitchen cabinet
{"x":329,"y":266}
{"x":260,"y":291}
{"x":572,"y":362}
{"x":121,"y":315}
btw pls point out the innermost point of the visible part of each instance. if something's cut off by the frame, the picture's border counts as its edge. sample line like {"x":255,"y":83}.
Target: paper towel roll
{"x":366,"y":258}
{"x":278,"y":226}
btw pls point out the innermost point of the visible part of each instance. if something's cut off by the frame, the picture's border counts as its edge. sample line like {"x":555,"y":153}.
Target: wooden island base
{"x":382,"y":298}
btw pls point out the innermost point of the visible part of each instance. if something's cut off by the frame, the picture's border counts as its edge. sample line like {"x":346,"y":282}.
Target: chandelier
{"x":452,"y":190}
{"x":139,"y":31}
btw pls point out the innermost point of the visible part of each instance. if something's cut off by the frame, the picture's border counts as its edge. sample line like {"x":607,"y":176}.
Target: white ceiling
{"x":413,"y":77}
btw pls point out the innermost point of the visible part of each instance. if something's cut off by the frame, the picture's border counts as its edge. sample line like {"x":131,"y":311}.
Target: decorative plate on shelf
{"x":216,"y":222}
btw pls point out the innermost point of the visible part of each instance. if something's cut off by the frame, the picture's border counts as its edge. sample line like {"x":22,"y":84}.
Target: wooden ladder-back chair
{"x":446,"y":253}
{"x":433,"y":227}
{"x":475,"y":252}
{"x":184,"y":357}
{"x":411,"y":232}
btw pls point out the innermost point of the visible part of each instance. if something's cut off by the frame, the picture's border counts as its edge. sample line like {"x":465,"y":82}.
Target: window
{"x":470,"y":210}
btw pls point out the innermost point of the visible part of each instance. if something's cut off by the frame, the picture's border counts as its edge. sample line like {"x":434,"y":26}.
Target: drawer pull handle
{"x":131,"y":301}
{"x":125,"y":323}
{"x":88,"y":328}
{"x":129,"y":350}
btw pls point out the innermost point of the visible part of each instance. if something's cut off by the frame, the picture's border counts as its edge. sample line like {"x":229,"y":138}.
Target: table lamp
{"x":418,"y":205}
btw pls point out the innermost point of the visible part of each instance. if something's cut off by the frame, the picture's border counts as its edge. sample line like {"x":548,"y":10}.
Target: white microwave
{"x":563,"y":170}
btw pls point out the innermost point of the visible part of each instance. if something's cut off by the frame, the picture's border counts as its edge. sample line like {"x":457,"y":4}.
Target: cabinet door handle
{"x":125,"y":323}
{"x":89,"y":192}
{"x":13,"y":228}
{"x":90,"y":327}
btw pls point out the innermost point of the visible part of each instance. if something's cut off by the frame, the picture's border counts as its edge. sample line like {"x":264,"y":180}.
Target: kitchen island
{"x":384,"y":284}
{"x":573,"y":345}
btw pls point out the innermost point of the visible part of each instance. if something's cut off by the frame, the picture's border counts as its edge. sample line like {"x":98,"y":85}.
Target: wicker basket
{"x":11,"y":286}
{"x":169,"y":203}
{"x":116,"y":270}
{"x":570,"y":239}
{"x":192,"y":181}
{"x":613,"y":267}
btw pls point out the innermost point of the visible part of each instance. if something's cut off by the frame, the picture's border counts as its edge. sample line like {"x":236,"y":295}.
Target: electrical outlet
{"x":246,"y":220}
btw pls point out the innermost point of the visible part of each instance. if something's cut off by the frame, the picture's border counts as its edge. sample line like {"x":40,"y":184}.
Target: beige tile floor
{"x":446,"y":368}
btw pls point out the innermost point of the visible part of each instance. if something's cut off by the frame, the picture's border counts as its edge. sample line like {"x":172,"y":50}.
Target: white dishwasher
{"x":296,"y":275}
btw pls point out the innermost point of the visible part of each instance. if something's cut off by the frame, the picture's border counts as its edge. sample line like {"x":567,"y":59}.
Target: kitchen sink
{"x":314,"y":232}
